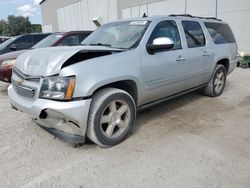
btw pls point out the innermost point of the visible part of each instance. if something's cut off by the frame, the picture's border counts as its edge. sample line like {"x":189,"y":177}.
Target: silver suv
{"x":94,"y":90}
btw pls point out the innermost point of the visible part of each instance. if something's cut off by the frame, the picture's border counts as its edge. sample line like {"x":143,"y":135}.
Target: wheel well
{"x":126,"y":85}
{"x":225,"y":63}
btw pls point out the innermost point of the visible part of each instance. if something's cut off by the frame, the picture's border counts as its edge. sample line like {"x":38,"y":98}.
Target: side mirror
{"x":161,"y":43}
{"x":13,"y":47}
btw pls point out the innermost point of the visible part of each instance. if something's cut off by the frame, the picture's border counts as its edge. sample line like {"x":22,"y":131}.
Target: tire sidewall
{"x":105,"y":141}
{"x":217,"y":69}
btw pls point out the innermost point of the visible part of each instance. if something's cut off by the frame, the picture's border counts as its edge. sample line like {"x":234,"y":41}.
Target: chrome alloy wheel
{"x":219,"y":81}
{"x":115,"y":119}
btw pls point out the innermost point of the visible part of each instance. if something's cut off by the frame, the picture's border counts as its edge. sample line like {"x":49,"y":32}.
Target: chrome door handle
{"x":180,"y":58}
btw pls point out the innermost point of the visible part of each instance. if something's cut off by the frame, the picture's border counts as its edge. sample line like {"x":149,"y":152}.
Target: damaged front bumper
{"x":66,"y":120}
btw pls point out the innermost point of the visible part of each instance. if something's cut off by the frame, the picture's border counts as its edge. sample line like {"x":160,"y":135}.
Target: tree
{"x":36,"y":28}
{"x":3,"y":27}
{"x":17,"y":25}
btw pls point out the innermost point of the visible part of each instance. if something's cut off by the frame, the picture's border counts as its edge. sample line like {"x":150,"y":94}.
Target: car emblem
{"x":19,"y":82}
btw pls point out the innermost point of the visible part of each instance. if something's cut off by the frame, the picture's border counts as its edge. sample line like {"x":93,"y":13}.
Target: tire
{"x":111,"y":117}
{"x":217,"y":82}
{"x":245,"y":65}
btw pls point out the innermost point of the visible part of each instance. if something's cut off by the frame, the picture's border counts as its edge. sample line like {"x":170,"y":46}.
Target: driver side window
{"x":167,"y":29}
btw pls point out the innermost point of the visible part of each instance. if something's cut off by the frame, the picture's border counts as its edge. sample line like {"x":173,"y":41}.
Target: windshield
{"x":48,"y":41}
{"x":123,"y":35}
{"x":7,"y":42}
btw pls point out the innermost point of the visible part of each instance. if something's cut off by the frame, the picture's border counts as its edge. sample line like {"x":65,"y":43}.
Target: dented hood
{"x":49,"y":61}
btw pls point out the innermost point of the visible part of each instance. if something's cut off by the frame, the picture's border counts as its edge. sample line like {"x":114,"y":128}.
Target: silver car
{"x":94,"y":90}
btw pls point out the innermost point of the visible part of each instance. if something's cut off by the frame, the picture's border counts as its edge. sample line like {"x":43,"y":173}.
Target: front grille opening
{"x":24,"y":90}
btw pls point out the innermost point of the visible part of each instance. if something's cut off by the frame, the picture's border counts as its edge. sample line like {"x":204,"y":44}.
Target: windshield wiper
{"x":100,"y":44}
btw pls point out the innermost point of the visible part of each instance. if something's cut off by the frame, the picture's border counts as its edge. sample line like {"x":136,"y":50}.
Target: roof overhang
{"x":42,"y":2}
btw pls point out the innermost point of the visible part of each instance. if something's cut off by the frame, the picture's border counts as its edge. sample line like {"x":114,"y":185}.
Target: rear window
{"x":194,"y":34}
{"x":220,"y":33}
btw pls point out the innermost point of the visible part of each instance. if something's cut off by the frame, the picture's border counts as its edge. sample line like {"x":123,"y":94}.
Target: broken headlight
{"x":57,"y":88}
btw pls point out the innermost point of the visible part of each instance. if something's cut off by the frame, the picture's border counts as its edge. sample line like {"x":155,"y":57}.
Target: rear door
{"x":199,"y":57}
{"x":164,"y":72}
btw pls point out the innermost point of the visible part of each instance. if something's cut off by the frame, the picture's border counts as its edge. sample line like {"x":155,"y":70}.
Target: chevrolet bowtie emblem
{"x":19,"y":82}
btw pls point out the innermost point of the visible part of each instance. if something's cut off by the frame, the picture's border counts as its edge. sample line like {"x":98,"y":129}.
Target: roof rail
{"x":191,"y":16}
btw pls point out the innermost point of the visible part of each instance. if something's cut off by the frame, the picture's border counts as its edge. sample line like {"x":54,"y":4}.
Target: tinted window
{"x":38,"y":38}
{"x":194,"y":34}
{"x":72,"y":40}
{"x":83,"y":36}
{"x":8,"y":42}
{"x":167,"y":29}
{"x":49,"y":41}
{"x":220,"y":33}
{"x":23,"y":42}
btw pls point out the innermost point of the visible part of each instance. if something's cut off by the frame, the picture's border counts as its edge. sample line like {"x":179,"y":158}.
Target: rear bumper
{"x":5,"y":74}
{"x":232,"y":66}
{"x":67,"y":120}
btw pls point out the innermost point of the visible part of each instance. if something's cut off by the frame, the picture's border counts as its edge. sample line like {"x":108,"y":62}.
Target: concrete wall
{"x":49,"y":13}
{"x":67,"y":15}
{"x":79,"y":15}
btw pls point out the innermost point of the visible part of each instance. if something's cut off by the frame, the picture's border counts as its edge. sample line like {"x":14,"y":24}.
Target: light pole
{"x":185,"y":6}
{"x":216,"y":8}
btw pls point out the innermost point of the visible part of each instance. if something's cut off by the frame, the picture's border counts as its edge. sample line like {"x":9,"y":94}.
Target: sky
{"x":24,"y":8}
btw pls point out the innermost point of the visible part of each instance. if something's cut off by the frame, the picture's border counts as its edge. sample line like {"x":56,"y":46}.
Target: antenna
{"x":145,"y":15}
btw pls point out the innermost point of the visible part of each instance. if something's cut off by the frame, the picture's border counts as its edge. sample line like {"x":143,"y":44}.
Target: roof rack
{"x":191,"y":16}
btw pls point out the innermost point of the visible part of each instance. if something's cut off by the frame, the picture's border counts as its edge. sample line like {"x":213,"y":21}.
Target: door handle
{"x":206,"y":54}
{"x":180,"y":58}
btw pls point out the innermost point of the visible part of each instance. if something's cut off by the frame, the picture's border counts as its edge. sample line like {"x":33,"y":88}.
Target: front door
{"x":164,"y":72}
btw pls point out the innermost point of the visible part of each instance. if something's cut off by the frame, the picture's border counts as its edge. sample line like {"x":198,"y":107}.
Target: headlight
{"x":8,"y":63}
{"x":58,"y":88}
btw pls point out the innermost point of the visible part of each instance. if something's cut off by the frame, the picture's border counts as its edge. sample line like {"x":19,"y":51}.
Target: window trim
{"x":205,"y":40}
{"x":181,"y":47}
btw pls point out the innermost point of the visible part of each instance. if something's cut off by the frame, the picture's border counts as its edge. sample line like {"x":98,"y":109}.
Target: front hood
{"x":49,"y":61}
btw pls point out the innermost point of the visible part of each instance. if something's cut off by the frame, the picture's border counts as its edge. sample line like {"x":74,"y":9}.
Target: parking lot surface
{"x":193,"y":141}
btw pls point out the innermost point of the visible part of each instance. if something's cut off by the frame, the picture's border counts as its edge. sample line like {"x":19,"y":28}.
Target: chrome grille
{"x":23,"y":90}
{"x":24,"y":76}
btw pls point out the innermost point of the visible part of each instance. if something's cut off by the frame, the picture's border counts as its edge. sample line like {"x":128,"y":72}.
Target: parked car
{"x":3,"y":38}
{"x":95,"y":90}
{"x":7,"y":61}
{"x":21,"y":42}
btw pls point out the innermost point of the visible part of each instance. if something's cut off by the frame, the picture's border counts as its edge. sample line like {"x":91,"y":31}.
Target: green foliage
{"x":17,"y":25}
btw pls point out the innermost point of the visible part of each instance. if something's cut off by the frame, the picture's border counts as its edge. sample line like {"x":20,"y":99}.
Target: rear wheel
{"x":217,"y":83}
{"x":112,"y":115}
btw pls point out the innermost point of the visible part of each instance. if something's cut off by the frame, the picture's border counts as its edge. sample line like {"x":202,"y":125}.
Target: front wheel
{"x":111,"y":117}
{"x":217,"y":83}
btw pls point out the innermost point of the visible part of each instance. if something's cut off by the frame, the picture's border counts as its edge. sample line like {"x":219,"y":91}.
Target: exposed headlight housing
{"x":57,"y":88}
{"x":8,"y":63}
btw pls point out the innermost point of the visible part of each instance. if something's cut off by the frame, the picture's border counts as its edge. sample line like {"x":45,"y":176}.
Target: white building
{"x":67,"y":15}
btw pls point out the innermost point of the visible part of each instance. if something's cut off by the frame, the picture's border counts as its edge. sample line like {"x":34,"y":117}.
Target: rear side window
{"x":194,"y":34}
{"x":220,"y":33}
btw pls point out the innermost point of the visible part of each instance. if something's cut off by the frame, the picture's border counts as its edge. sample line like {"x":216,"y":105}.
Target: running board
{"x":169,"y":98}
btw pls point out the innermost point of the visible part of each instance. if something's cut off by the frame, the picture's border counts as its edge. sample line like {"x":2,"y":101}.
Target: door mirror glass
{"x":159,"y":44}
